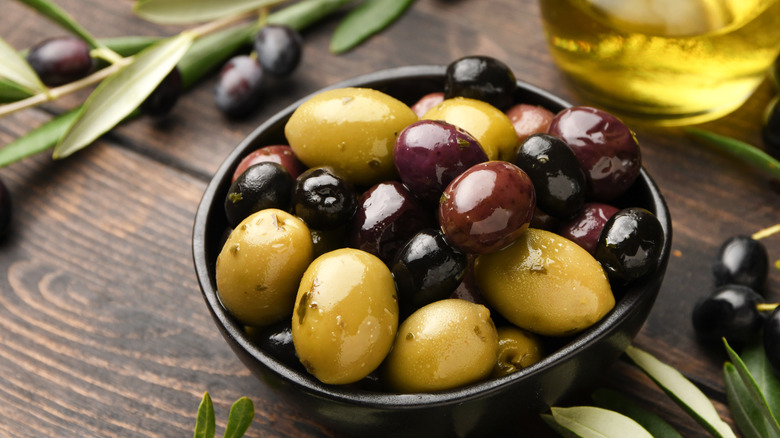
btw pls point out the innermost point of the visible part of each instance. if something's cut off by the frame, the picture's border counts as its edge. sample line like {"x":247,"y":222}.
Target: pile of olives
{"x":425,"y":247}
{"x":736,"y":309}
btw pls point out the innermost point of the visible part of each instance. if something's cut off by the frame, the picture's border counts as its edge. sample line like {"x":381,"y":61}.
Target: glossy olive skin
{"x":429,"y":154}
{"x":387,"y":215}
{"x":480,"y":77}
{"x":323,"y":198}
{"x":771,"y":340}
{"x":728,"y":312}
{"x":427,"y":102}
{"x":164,"y":97}
{"x":741,"y":260}
{"x":260,"y":266}
{"x":491,"y":127}
{"x":426,"y":269}
{"x":6,"y":208}
{"x":445,"y":344}
{"x":517,"y":349}
{"x":279,"y":49}
{"x":239,"y":86}
{"x":558,"y":179}
{"x":529,"y":119}
{"x":605,"y":147}
{"x":545,"y":284}
{"x":350,"y":129}
{"x":263,"y":185}
{"x":280,"y":154}
{"x":345,"y":317}
{"x":585,"y":228}
{"x":60,"y":60}
{"x":487,"y":207}
{"x":630,"y":244}
{"x":276,"y":340}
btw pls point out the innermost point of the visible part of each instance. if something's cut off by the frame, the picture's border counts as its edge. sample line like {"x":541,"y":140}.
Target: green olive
{"x":260,"y":265}
{"x":350,"y":129}
{"x":545,"y":283}
{"x":517,"y":349}
{"x":442,"y":345}
{"x":345,"y":317}
{"x":491,"y":127}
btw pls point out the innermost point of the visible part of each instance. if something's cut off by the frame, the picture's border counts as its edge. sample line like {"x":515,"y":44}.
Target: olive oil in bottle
{"x":668,"y":62}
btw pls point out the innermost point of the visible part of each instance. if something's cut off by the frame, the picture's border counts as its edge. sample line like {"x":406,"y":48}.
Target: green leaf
{"x":129,"y":45}
{"x":211,"y":51}
{"x":560,"y":430}
{"x":121,"y":93}
{"x":682,"y":391}
{"x":16,"y":69}
{"x":302,"y":14}
{"x":755,"y":360}
{"x":365,"y":20}
{"x":241,"y":415}
{"x":748,"y":416}
{"x":59,"y":16}
{"x":752,"y":388}
{"x":744,"y":152}
{"x":39,"y":139}
{"x":612,"y":400}
{"x":195,"y":11}
{"x":593,"y":422}
{"x":205,"y":425}
{"x":11,"y":91}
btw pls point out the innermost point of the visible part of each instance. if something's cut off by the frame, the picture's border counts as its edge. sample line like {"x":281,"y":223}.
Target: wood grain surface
{"x":103,"y":330}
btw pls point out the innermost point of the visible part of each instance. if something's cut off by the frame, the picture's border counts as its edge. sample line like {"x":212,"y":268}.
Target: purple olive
{"x":165,"y":96}
{"x":585,"y":228}
{"x":605,"y":147}
{"x":487,"y":207}
{"x":387,"y":216}
{"x":278,"y":49}
{"x":430,"y":153}
{"x":61,"y":60}
{"x":239,"y":86}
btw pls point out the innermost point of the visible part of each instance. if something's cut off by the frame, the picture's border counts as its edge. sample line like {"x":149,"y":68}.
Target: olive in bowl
{"x":491,"y":407}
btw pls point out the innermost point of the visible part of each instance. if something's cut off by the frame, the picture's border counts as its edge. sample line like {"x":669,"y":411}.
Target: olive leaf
{"x":756,"y":362}
{"x":682,"y":391}
{"x":241,"y":415}
{"x":593,"y":422}
{"x":11,"y":91}
{"x":748,"y":416}
{"x":16,"y":69}
{"x":300,"y":15}
{"x":745,"y":152}
{"x":753,"y":391}
{"x":39,"y":139}
{"x":365,"y":20}
{"x":613,"y":400}
{"x":211,"y":51}
{"x":121,"y":93}
{"x":195,"y":11}
{"x":205,"y":425}
{"x":59,"y":16}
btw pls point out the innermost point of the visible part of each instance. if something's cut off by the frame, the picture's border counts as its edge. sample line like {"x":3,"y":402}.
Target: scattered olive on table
{"x":422,"y":271}
{"x":279,"y":49}
{"x":239,"y":86}
{"x":165,"y":95}
{"x":60,"y":60}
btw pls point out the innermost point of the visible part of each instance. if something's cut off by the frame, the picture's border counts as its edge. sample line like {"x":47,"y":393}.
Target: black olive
{"x":427,"y":269}
{"x":558,"y":178}
{"x":165,"y":96}
{"x":276,"y":340}
{"x":60,"y":60}
{"x":728,"y":312}
{"x":239,"y":86}
{"x":323,"y":198}
{"x":771,"y":339}
{"x":263,"y":185}
{"x":630,"y":244}
{"x":483,"y":78}
{"x":278,"y":49}
{"x":741,"y":260}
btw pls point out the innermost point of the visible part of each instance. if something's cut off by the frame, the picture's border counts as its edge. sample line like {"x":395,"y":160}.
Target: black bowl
{"x":498,"y":407}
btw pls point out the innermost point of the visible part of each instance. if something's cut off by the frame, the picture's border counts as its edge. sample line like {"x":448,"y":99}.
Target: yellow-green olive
{"x":350,"y":129}
{"x":491,"y":127}
{"x":260,"y":265}
{"x":442,"y":345}
{"x":345,"y":317}
{"x":545,"y":283}
{"x":517,"y":349}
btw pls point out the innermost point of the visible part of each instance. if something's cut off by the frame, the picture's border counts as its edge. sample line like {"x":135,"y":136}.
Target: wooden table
{"x":103,"y":330}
